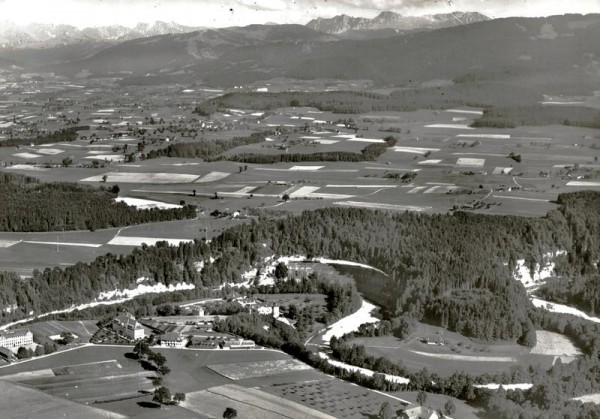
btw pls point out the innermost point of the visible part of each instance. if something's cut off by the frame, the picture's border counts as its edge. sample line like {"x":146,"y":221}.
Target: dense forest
{"x":29,"y":205}
{"x":62,"y":135}
{"x":370,"y":153}
{"x":578,"y":281}
{"x":538,"y":115}
{"x":206,"y":150}
{"x":461,"y":93}
{"x":450,"y":270}
{"x":442,"y":269}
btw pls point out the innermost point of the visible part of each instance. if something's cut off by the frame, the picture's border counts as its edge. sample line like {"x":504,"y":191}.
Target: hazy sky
{"x":221,"y":13}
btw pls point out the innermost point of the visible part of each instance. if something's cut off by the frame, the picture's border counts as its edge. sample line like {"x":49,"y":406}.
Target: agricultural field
{"x":29,"y":402}
{"x":24,"y":252}
{"x":254,"y":403}
{"x":459,"y":353}
{"x":268,"y":383}
{"x":82,"y":330}
{"x":456,"y":166}
{"x":243,"y":370}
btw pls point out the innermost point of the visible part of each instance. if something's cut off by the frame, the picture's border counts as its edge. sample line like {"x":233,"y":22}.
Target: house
{"x":268,"y":310}
{"x":239,"y":344}
{"x":16,"y":338}
{"x":197,"y":310}
{"x":173,"y":340}
{"x":433,"y":340}
{"x":126,"y":324}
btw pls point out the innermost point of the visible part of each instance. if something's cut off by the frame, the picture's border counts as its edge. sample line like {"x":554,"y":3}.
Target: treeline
{"x":369,"y":153}
{"x":214,"y":150}
{"x":537,"y":115}
{"x":63,"y":135}
{"x":207,"y":150}
{"x":353,"y":102}
{"x":337,"y":102}
{"x":29,"y":205}
{"x":578,"y":281}
{"x":444,"y":269}
{"x":60,"y":288}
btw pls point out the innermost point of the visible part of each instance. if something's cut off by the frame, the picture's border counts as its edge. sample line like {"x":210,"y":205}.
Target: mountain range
{"x":390,"y":20}
{"x":39,"y":35}
{"x":557,"y":54}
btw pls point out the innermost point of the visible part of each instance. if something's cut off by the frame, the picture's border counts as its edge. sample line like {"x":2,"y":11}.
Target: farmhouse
{"x":433,"y":340}
{"x":16,"y":338}
{"x":126,"y":324}
{"x":173,"y":340}
{"x":259,"y":306}
{"x":239,"y":344}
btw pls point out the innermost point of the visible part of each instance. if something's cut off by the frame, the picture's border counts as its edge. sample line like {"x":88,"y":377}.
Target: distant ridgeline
{"x":28,"y":205}
{"x":451,"y":270}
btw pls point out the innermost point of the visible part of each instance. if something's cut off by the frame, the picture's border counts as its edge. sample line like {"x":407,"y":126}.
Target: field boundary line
{"x":246,"y":403}
{"x":45,"y":356}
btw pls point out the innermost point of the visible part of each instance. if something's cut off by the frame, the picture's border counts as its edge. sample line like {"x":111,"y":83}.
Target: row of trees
{"x":158,"y":362}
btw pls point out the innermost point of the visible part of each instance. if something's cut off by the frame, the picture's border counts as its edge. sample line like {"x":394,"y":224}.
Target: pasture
{"x":243,"y":370}
{"x":471,"y":162}
{"x":27,"y":402}
{"x":459,"y":353}
{"x":83,"y":329}
{"x":105,"y":375}
{"x":254,"y":403}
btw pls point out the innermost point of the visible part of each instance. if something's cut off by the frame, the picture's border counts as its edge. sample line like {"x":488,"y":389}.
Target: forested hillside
{"x":453,"y":270}
{"x":578,"y":281}
{"x":28,"y":205}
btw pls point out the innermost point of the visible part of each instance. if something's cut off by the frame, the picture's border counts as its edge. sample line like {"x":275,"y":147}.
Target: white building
{"x":173,"y":340}
{"x":16,"y":338}
{"x":268,"y":310}
{"x":126,"y":324}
